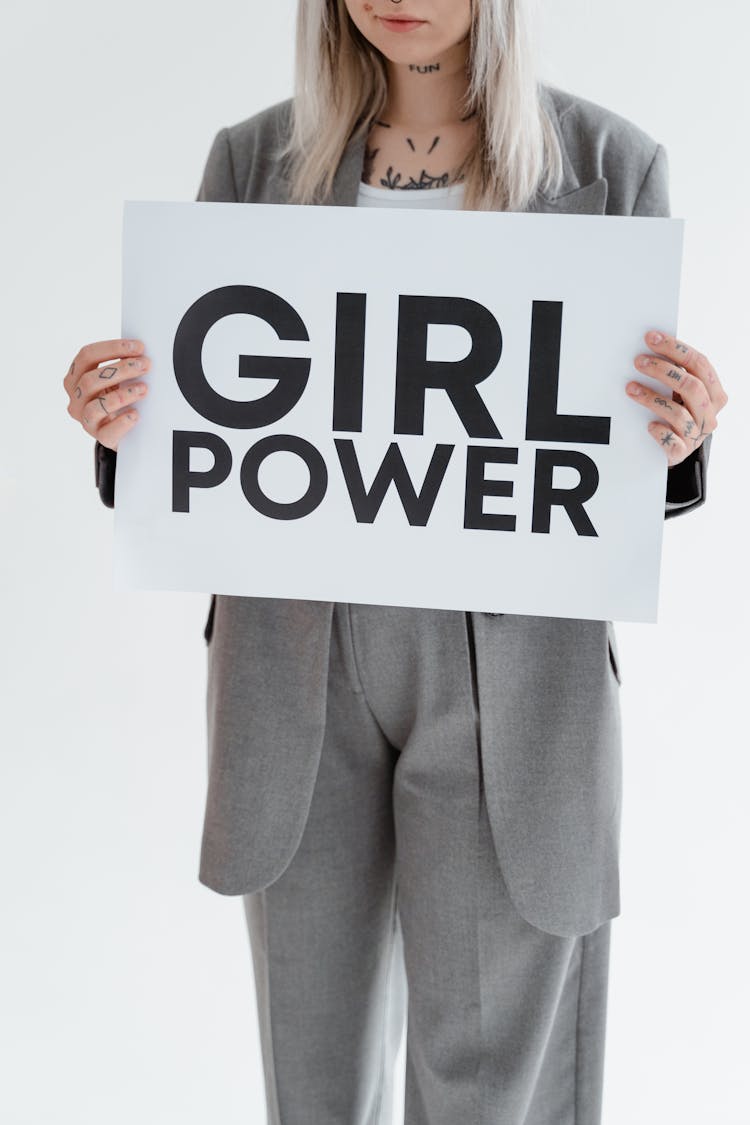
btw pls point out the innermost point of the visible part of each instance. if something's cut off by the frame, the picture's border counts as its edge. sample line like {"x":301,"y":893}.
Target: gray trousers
{"x":393,"y":909}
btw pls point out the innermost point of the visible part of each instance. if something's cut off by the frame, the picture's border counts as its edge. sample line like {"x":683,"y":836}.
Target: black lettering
{"x":349,"y":364}
{"x":289,"y":443}
{"x":571,"y":499}
{"x":417,"y":506}
{"x":183,"y":478}
{"x":477,"y":487}
{"x":543,"y":423}
{"x":292,"y":373}
{"x":415,"y":373}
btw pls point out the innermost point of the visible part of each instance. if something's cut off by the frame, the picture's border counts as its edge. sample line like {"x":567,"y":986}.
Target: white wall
{"x":126,"y":985}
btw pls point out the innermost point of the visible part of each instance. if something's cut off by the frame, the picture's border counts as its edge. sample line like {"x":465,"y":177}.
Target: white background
{"x":126,"y":985}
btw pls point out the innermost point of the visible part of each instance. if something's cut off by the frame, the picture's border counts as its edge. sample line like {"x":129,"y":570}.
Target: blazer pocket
{"x":614,"y":658}
{"x":209,"y":628}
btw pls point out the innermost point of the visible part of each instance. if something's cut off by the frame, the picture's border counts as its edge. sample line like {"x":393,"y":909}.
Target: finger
{"x":674,"y":446}
{"x":693,"y":361}
{"x":93,"y":383}
{"x":692,"y":390}
{"x":95,"y":412}
{"x":112,"y":432}
{"x":674,"y":414}
{"x":101,"y":351}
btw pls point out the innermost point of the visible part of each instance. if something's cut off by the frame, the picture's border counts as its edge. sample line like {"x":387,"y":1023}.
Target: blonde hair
{"x":341,"y":86}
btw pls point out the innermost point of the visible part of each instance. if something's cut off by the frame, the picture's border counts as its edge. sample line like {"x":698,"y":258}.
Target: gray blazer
{"x":548,"y":687}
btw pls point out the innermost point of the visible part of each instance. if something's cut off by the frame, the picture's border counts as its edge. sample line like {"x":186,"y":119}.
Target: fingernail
{"x":655,"y":337}
{"x":634,"y":389}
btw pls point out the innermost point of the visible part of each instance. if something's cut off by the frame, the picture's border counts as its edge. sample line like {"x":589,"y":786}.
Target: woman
{"x":409,"y":795}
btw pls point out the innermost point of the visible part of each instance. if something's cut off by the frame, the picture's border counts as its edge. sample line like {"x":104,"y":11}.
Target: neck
{"x":428,"y":95}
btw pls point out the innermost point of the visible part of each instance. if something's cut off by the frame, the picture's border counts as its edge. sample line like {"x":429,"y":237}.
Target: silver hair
{"x":341,"y":86}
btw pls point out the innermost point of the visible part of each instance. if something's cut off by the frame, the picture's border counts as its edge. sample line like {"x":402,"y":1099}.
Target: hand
{"x":100,"y":398}
{"x":696,"y":395}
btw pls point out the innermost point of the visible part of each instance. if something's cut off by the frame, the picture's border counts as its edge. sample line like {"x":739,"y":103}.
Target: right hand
{"x":98,"y":399}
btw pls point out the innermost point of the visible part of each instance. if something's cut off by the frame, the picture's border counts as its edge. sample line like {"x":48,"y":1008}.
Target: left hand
{"x":697,"y":396}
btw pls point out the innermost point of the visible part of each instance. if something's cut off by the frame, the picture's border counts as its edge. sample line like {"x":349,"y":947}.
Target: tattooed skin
{"x":70,"y":370}
{"x":700,"y":433}
{"x":393,"y":180}
{"x":102,"y":403}
{"x":672,"y":374}
{"x":399,"y":180}
{"x":663,"y":402}
{"x":107,"y":372}
{"x":78,"y":392}
{"x":679,"y":347}
{"x":668,"y":438}
{"x":425,"y":69}
{"x":689,"y":428}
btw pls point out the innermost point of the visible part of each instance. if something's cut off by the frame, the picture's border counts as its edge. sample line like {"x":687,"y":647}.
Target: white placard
{"x":259,"y":478}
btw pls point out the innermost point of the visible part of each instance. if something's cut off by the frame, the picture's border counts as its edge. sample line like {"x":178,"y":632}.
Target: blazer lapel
{"x":573,"y":198}
{"x":591,"y":199}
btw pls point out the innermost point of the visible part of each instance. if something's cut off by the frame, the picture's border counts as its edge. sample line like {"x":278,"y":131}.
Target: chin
{"x":405,"y":49}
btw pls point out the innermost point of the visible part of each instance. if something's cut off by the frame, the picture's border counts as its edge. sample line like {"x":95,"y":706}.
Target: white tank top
{"x":446,"y":198}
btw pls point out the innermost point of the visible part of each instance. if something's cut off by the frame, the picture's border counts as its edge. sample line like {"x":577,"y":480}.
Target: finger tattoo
{"x":107,"y":372}
{"x":668,"y":438}
{"x":102,"y":403}
{"x":78,"y":392}
{"x":663,"y":402}
{"x":700,"y":435}
{"x":689,"y":428}
{"x":680,"y":347}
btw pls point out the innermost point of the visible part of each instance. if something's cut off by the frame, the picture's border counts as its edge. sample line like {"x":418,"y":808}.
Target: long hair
{"x":341,"y":87}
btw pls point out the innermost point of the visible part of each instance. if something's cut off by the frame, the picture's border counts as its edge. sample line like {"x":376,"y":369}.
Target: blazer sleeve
{"x":686,"y":482}
{"x":217,"y":186}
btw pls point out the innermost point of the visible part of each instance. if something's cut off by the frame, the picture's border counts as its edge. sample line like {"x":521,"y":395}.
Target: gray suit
{"x":558,"y":725}
{"x":560,"y":857}
{"x":513,"y":893}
